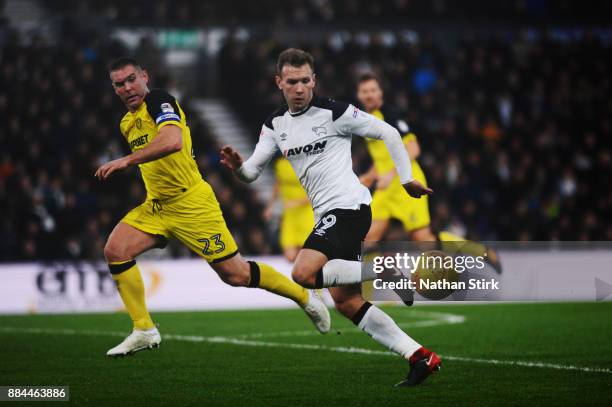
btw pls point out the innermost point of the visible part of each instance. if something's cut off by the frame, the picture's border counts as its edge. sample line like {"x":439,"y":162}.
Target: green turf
{"x":188,"y":373}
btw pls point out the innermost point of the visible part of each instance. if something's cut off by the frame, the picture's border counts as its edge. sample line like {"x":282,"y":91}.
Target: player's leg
{"x":448,"y":242}
{"x":381,"y":327}
{"x":124,"y":244}
{"x":127,"y":240}
{"x":336,"y":238}
{"x":196,"y":220}
{"x":237,"y":272}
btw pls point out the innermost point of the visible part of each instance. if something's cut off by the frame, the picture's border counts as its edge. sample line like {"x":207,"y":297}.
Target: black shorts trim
{"x":220,"y":259}
{"x":162,"y":241}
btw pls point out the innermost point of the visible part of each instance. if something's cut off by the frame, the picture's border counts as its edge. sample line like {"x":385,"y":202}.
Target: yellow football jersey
{"x":378,"y":151}
{"x":383,"y":163}
{"x":173,"y":174}
{"x":290,"y":188}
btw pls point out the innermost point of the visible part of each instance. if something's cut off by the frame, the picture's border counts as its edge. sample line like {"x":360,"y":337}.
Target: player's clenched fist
{"x":231,"y":158}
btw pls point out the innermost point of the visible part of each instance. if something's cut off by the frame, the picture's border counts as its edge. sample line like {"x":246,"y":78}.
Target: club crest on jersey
{"x":308,"y":149}
{"x":283,"y":136}
{"x":138,"y":123}
{"x":319,"y":131}
{"x":167,"y":108}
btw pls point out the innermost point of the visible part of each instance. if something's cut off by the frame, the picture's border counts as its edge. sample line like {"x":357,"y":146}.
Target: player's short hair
{"x":368,"y":76}
{"x":294,"y":57}
{"x":122,"y":62}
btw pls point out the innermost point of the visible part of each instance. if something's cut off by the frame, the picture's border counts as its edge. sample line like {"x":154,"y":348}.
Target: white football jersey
{"x":317,"y":143}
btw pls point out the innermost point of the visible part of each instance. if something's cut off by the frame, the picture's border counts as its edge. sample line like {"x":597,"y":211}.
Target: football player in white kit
{"x":314,"y":134}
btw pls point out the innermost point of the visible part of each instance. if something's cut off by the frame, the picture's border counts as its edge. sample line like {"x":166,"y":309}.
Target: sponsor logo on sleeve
{"x":167,"y":108}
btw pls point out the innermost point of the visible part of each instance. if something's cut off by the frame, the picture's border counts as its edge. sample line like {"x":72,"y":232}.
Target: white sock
{"x":385,"y":331}
{"x":344,"y":272}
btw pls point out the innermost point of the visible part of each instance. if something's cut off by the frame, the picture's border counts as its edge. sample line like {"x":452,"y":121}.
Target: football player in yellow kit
{"x":390,"y":200}
{"x":179,"y":204}
{"x":297,"y":219}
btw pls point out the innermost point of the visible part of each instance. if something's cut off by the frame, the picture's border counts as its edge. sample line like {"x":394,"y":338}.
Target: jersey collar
{"x":305,"y":109}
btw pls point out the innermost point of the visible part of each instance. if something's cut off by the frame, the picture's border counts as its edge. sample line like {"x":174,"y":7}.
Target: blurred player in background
{"x":179,"y":204}
{"x":297,"y":218}
{"x":314,"y":133}
{"x":390,"y":200}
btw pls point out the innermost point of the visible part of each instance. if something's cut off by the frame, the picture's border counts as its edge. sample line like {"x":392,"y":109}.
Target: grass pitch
{"x":496,"y":354}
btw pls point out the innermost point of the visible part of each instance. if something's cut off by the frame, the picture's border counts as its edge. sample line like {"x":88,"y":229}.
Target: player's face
{"x":130,"y":84}
{"x":370,"y":95}
{"x":297,"y":84}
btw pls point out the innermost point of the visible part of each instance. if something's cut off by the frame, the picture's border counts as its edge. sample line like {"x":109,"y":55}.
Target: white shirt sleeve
{"x":359,"y":123}
{"x":264,"y":152}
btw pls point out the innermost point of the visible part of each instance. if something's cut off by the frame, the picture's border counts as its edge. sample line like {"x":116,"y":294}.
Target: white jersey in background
{"x":317,"y":143}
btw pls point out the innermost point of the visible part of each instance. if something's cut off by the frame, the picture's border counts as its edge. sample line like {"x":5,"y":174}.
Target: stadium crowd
{"x":60,"y":120}
{"x":515,"y":129}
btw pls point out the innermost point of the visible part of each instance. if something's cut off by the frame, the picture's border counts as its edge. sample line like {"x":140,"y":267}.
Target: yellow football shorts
{"x":296,"y":225}
{"x":394,"y":202}
{"x":194,"y":218}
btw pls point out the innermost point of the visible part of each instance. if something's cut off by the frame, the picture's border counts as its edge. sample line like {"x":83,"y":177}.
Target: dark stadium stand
{"x":514,"y":123}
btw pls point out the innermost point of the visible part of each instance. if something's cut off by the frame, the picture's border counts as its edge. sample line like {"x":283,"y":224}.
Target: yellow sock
{"x":466,"y":246}
{"x":264,"y":276}
{"x":131,"y":289}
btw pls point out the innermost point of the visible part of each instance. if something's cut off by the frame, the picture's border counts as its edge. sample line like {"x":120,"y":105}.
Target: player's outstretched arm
{"x":359,"y":123}
{"x":169,"y":140}
{"x":249,"y":170}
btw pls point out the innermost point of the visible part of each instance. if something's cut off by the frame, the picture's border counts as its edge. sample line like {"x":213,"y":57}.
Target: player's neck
{"x":293,"y":110}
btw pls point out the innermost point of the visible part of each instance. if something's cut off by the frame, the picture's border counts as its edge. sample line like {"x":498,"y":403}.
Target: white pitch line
{"x":436,"y":319}
{"x":341,"y":349}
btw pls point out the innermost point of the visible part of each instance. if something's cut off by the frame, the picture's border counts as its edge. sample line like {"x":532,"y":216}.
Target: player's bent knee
{"x":303,"y":276}
{"x":114,"y":252}
{"x":236,"y":274}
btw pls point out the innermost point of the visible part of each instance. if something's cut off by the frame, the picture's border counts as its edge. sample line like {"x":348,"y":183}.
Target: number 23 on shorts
{"x":217,"y":245}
